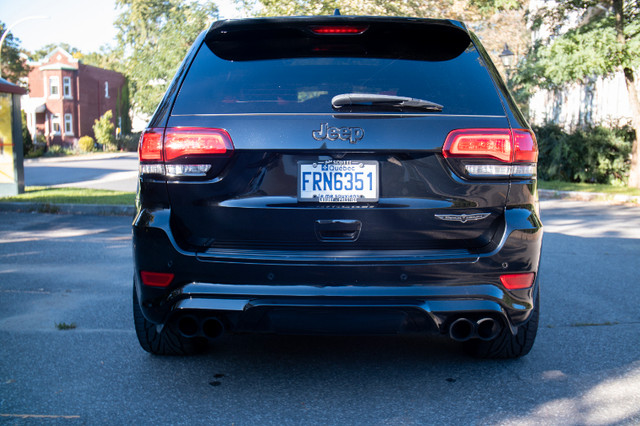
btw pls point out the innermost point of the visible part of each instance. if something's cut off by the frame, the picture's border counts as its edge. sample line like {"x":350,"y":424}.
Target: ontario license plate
{"x":338,"y":181}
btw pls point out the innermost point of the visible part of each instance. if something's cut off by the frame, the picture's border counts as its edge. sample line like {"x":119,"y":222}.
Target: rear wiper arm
{"x":385,"y":101}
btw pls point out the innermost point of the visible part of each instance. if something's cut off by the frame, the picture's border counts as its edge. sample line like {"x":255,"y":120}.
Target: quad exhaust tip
{"x":191,"y":326}
{"x":464,"y":329}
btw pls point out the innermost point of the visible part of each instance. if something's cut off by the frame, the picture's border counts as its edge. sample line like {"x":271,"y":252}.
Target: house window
{"x":55,"y":124}
{"x":106,"y":89}
{"x":66,"y":87}
{"x":54,"y":87}
{"x":68,"y":124}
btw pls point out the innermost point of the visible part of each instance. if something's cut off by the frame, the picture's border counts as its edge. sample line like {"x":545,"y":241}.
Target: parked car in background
{"x":337,"y":174}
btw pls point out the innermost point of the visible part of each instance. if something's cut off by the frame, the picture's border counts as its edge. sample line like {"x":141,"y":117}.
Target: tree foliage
{"x":465,"y":10}
{"x":153,"y":38}
{"x":13,"y":66}
{"x":590,"y":49}
{"x":602,"y":38}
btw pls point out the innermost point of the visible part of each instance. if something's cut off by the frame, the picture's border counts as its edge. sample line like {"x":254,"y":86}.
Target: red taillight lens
{"x":339,"y":29}
{"x":525,"y":147}
{"x":517,"y":146}
{"x":156,"y":279}
{"x":479,"y":143}
{"x":184,"y":142}
{"x":517,"y":281}
{"x":150,"y":148}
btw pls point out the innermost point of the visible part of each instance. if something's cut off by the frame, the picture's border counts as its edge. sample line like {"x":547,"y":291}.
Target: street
{"x":114,"y":171}
{"x":58,"y":270}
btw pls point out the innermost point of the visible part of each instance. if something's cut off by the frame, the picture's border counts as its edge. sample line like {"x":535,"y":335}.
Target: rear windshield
{"x":294,"y":84}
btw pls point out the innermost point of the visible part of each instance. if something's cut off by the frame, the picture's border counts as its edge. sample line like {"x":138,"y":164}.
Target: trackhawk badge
{"x":463,"y":218}
{"x":351,"y":134}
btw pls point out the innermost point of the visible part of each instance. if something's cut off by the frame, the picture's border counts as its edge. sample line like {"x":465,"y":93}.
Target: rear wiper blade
{"x":385,"y":101}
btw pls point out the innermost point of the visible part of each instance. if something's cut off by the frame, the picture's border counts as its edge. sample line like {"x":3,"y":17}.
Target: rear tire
{"x":506,"y":345}
{"x":162,"y":340}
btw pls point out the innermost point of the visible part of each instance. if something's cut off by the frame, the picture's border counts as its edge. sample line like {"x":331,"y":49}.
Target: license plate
{"x":338,"y":181}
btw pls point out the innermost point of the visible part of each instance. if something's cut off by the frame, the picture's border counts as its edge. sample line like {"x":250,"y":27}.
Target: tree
{"x":27,"y":140}
{"x":153,"y":37}
{"x":106,"y":57}
{"x":466,"y":10}
{"x":104,"y":130}
{"x":605,"y":40}
{"x":13,"y":66}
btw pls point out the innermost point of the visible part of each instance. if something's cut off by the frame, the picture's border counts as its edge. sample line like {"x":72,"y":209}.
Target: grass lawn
{"x":587,"y":187}
{"x":46,"y":195}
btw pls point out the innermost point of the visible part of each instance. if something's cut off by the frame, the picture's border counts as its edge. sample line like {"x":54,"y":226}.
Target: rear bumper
{"x":341,"y":292}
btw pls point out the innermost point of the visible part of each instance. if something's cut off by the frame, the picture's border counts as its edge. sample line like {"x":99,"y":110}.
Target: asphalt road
{"x":118,"y":172}
{"x":583,"y":369}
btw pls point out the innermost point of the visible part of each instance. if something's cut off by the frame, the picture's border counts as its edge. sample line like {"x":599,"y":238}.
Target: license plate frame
{"x":338,"y":181}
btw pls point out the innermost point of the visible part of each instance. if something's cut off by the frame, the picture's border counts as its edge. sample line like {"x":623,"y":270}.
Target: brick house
{"x":66,"y":97}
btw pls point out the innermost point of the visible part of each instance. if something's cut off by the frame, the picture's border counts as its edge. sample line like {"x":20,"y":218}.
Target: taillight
{"x":339,"y":29}
{"x":500,"y":146}
{"x":182,"y":151}
{"x":151,"y":145}
{"x":517,"y":281}
{"x":189,"y":142}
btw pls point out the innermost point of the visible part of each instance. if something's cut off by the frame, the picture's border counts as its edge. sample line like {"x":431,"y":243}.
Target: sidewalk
{"x":73,"y":209}
{"x":82,"y":157}
{"x":550,"y":194}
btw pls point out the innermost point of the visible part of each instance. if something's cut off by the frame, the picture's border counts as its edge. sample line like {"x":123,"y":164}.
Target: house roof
{"x":57,"y":67}
{"x":54,"y":66}
{"x":60,"y":50}
{"x":8,"y":87}
{"x":33,"y":105}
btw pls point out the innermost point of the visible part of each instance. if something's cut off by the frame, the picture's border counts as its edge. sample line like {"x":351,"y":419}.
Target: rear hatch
{"x":314,"y":146}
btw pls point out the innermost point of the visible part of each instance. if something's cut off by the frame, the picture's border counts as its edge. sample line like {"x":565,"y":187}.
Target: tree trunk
{"x":634,"y":174}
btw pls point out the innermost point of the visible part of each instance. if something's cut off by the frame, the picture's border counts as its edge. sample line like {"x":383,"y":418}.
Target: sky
{"x":84,"y":24}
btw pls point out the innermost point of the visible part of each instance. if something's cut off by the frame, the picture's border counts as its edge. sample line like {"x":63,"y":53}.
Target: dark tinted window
{"x":306,"y":84}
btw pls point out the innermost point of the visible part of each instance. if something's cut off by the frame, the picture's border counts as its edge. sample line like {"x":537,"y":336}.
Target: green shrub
{"x":86,"y":144}
{"x":129,"y":142}
{"x":38,"y":147}
{"x":593,"y":154}
{"x":104,"y":130}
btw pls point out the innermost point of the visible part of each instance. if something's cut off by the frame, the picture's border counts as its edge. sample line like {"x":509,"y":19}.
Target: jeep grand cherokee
{"x":337,"y":174}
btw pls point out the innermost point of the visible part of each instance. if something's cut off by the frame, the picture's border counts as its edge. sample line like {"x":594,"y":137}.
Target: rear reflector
{"x":517,"y":281}
{"x":339,"y":29}
{"x":156,"y":279}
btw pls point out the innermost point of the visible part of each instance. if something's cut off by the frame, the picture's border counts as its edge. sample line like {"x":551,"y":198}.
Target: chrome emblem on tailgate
{"x":351,"y":134}
{"x":463,"y":218}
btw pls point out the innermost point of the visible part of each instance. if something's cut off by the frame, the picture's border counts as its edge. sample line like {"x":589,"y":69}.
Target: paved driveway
{"x":583,"y":369}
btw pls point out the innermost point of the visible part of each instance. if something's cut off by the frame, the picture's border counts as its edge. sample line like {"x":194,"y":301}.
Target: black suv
{"x":337,"y":174}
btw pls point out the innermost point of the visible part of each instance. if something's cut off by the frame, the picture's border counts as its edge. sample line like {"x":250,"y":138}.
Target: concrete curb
{"x":79,"y":209}
{"x":550,"y":194}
